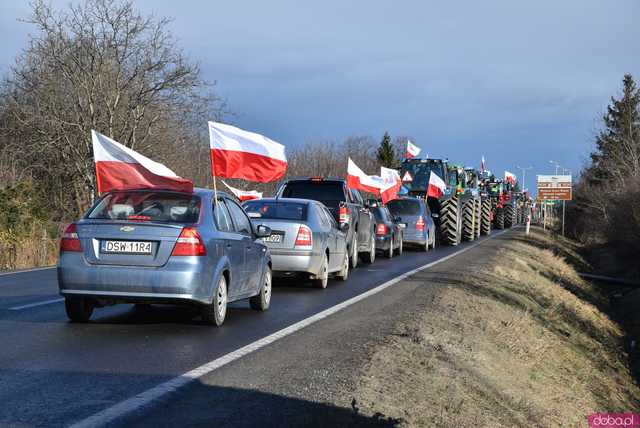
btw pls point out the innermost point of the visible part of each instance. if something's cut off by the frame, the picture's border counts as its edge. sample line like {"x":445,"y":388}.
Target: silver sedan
{"x":305,"y":238}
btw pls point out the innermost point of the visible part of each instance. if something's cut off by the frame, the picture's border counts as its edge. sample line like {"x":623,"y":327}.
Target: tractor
{"x":447,"y":210}
{"x":503,"y":207}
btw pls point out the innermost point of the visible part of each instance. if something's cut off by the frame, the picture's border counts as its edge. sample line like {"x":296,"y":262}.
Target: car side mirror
{"x":263,"y":231}
{"x":344,"y":227}
{"x":402,"y":225}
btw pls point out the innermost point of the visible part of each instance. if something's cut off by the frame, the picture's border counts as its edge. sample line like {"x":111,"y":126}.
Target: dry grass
{"x":516,"y":339}
{"x":36,"y":248}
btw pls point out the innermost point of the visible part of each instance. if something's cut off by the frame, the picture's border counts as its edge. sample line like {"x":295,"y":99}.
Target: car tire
{"x":390,"y":252}
{"x":343,"y":274}
{"x":216,"y":312}
{"x":261,"y":301}
{"x":426,"y":243}
{"x":78,"y":309}
{"x":370,"y":256}
{"x":353,"y":258}
{"x":322,"y":279}
{"x":400,"y":247}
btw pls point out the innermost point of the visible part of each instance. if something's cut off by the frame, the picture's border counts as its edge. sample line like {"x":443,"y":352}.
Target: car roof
{"x":318,"y":179}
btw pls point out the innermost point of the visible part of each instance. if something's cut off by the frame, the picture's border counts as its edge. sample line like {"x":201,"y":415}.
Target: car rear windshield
{"x":399,"y":207}
{"x":277,"y":210}
{"x":329,"y":193}
{"x":148,"y":206}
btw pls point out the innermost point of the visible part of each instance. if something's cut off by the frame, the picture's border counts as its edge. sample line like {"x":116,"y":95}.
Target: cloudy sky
{"x":520,"y":82}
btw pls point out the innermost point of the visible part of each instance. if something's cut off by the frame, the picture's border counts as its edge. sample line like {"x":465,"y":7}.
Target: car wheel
{"x":426,"y":243}
{"x":322,"y":279}
{"x":216,"y":312}
{"x":263,"y":299}
{"x":354,"y":251}
{"x":370,"y":257}
{"x":78,"y":309}
{"x":400,"y":245}
{"x":390,"y":251}
{"x":343,"y":274}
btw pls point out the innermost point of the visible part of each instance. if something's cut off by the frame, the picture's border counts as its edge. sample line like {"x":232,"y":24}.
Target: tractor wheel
{"x":499,"y":218}
{"x":478,"y":223}
{"x":509,"y":216}
{"x":486,"y":217}
{"x":451,"y":221}
{"x":468,"y":220}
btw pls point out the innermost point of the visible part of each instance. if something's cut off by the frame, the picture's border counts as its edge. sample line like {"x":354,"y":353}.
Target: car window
{"x":400,"y":207}
{"x":222,"y":217}
{"x":380,"y":214}
{"x":280,"y":210}
{"x":357,"y":198}
{"x":154,"y":206}
{"x":332,"y":221}
{"x":240,"y":220}
{"x":327,"y":192}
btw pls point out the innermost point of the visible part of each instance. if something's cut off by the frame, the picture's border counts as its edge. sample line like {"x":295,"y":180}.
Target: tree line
{"x":103,"y":65}
{"x":606,"y":206}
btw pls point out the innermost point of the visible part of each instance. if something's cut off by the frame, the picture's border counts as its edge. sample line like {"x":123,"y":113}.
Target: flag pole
{"x":215,"y":189}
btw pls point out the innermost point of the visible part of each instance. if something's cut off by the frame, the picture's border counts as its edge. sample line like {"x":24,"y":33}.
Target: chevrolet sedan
{"x":152,"y":246}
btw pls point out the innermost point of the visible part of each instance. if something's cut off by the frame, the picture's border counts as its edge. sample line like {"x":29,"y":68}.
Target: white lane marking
{"x":145,"y":398}
{"x":26,"y":271}
{"x":33,"y":305}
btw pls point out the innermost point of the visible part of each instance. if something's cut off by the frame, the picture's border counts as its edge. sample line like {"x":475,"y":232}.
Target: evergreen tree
{"x":386,"y":152}
{"x":617,"y":154}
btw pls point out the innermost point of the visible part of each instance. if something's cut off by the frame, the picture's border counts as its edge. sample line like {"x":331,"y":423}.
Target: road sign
{"x":554,"y":187}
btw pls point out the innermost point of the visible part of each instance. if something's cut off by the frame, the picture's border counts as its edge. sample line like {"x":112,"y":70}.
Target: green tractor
{"x":455,"y":211}
{"x":503,"y":202}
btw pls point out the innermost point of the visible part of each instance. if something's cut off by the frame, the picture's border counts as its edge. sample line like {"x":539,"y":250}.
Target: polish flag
{"x":120,"y":168}
{"x":392,"y":184}
{"x":509,"y":177}
{"x":482,"y":165}
{"x":243,"y":195}
{"x":412,"y":150}
{"x":436,"y":186}
{"x":357,"y":179}
{"x":236,"y":153}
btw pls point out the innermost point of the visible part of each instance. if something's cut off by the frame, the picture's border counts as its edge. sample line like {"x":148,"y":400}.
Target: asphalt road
{"x":54,"y":373}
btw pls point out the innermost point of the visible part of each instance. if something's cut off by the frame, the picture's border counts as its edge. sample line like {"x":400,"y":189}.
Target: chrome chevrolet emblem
{"x":127,"y":229}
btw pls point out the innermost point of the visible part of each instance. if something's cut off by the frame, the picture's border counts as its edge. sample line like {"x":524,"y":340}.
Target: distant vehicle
{"x":389,"y":234}
{"x":149,"y":246}
{"x":305,"y":238}
{"x":346,"y":205}
{"x":420,"y":230}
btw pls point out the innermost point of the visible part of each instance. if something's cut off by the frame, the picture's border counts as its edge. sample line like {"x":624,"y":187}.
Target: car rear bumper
{"x":383,"y":242}
{"x":286,"y":261}
{"x":415,"y":239}
{"x":182,"y":280}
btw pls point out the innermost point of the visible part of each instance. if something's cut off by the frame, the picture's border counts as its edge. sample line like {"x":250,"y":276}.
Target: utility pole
{"x":524,"y":171}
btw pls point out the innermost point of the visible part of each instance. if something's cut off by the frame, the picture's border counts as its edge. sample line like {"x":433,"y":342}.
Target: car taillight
{"x":343,"y":215}
{"x":70,"y":240}
{"x":420,"y":223}
{"x":189,"y":244}
{"x":381,"y":229}
{"x":304,"y":238}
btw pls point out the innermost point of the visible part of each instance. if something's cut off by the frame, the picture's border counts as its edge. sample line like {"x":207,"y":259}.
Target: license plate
{"x":126,"y":247}
{"x":274,"y":238}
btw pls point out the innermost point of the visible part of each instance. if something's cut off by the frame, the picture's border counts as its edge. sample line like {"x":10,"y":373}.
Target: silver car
{"x":414,"y":214}
{"x":149,"y":246}
{"x":305,"y":238}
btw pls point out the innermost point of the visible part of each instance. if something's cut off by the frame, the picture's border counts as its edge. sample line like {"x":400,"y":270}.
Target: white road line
{"x":33,"y":305}
{"x":147,"y":397}
{"x":26,"y":271}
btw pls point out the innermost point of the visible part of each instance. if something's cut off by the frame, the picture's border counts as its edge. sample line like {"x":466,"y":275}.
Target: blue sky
{"x":520,"y":82}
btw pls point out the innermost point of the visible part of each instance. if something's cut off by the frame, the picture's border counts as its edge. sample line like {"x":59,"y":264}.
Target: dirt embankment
{"x":517,"y":338}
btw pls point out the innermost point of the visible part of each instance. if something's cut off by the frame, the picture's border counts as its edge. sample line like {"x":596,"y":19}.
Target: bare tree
{"x":101,"y":65}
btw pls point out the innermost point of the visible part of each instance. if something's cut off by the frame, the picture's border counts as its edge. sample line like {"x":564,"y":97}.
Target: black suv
{"x":346,"y":205}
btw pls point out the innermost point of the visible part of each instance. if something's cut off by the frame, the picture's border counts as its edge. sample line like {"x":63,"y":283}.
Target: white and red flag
{"x":120,"y":168}
{"x":236,"y":153}
{"x":243,"y":195}
{"x":509,"y":177}
{"x":357,"y":179}
{"x":436,"y":186}
{"x":392,"y":184}
{"x":412,"y":150}
{"x":482,"y":165}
